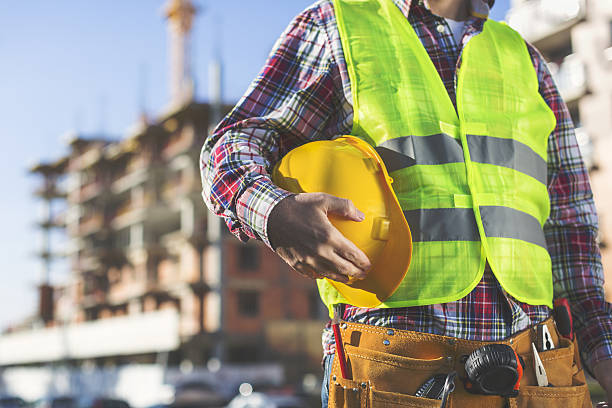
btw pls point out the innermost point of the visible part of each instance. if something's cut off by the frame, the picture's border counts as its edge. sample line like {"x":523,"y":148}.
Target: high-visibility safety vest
{"x":471,"y":182}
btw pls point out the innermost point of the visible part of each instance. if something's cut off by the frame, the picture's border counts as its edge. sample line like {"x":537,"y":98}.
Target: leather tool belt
{"x":386,"y":366}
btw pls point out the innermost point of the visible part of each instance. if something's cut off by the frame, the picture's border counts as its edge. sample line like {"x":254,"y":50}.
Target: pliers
{"x":540,"y":372}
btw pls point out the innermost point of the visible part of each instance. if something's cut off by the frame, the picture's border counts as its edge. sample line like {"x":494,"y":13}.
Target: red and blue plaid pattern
{"x":303,"y":94}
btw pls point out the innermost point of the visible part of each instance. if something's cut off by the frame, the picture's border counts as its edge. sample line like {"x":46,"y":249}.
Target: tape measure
{"x":494,"y":369}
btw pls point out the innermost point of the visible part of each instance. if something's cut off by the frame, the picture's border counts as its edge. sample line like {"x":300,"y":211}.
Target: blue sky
{"x":76,"y":65}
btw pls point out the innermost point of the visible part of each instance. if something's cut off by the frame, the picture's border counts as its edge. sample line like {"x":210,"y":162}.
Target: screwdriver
{"x":338,"y":339}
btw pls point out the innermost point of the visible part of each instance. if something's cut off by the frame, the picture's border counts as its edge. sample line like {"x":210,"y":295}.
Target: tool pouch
{"x":382,"y":380}
{"x":385,"y":372}
{"x":565,"y":374}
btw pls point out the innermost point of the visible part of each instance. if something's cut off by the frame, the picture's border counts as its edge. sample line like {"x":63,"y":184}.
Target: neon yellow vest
{"x":471,"y":182}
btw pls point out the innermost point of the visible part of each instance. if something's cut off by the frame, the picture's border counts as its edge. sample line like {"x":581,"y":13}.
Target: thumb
{"x":344,"y":208}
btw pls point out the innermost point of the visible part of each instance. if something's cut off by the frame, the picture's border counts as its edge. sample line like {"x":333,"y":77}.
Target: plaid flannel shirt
{"x":303,"y":94}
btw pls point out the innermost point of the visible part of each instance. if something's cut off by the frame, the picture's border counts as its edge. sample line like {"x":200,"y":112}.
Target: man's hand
{"x":603,"y":374}
{"x":301,"y":234}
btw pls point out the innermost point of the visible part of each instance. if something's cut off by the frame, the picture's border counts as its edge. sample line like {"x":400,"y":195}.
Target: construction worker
{"x":476,"y":104}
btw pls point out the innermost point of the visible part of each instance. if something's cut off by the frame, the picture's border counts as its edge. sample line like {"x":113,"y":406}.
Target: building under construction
{"x":575,"y":37}
{"x":154,"y":277}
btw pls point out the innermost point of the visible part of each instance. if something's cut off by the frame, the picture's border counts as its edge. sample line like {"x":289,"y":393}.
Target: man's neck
{"x":457,"y":10}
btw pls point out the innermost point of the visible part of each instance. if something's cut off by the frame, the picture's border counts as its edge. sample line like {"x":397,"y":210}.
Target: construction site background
{"x":159,"y":291}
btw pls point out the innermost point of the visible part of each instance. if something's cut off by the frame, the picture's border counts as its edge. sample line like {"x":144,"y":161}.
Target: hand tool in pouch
{"x":338,"y":339}
{"x":540,"y":372}
{"x":544,"y":339}
{"x":563,"y":318}
{"x":438,"y":387}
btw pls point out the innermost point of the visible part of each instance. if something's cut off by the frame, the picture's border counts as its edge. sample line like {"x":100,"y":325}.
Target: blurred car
{"x":197,"y":394}
{"x":57,"y":402}
{"x":264,"y":400}
{"x":103,"y":402}
{"x":10,"y":401}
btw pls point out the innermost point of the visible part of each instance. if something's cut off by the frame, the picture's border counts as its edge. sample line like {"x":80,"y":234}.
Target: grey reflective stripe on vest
{"x":507,"y":153}
{"x":459,"y":224}
{"x":442,"y":224}
{"x":406,"y":151}
{"x":504,"y":222}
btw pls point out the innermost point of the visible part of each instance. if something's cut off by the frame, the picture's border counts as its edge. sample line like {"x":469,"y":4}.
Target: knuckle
{"x":298,"y":266}
{"x":317,"y":246}
{"x":349,"y":208}
{"x":305,"y":269}
{"x":352,"y":271}
{"x":319,"y":197}
{"x":345,"y":204}
{"x":341,"y":269}
{"x":322,"y":236}
{"x":308,"y":262}
{"x":339,"y":278}
{"x":307,"y":272}
{"x":346,"y":254}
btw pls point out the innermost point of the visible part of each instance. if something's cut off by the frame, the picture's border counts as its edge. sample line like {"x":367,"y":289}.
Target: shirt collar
{"x":479,"y":8}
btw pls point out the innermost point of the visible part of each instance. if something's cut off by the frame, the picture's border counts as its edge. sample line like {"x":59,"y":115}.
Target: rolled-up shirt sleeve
{"x":571,"y":230}
{"x":296,"y":98}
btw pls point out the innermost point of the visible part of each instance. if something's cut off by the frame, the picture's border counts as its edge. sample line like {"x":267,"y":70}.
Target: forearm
{"x":296,"y":98}
{"x":577,"y":275}
{"x":235,"y":180}
{"x":571,"y":230}
{"x":571,"y":235}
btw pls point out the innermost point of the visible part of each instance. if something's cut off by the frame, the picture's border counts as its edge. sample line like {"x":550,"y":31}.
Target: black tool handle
{"x":563,"y":318}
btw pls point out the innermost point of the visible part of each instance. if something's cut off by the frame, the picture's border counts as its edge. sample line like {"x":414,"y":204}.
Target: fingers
{"x":314,"y":267}
{"x":347,"y":250}
{"x":327,"y":264}
{"x":307,"y":271}
{"x":323,"y":270}
{"x":344,"y":249}
{"x":306,"y":239}
{"x":342,"y":207}
{"x":346,"y":268}
{"x":338,"y":261}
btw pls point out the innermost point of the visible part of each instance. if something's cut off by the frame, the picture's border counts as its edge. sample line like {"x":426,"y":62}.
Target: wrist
{"x":274,"y":220}
{"x":253,"y":207}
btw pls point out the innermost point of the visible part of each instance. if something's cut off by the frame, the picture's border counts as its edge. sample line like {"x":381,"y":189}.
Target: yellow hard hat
{"x":348,"y":167}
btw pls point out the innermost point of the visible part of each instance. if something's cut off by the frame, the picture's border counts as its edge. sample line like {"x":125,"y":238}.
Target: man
{"x":305,"y":93}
